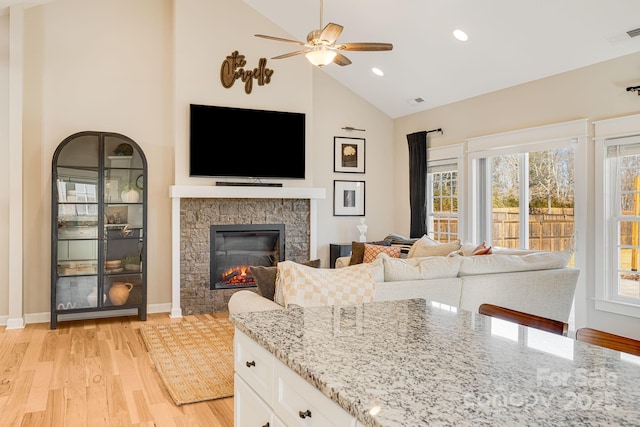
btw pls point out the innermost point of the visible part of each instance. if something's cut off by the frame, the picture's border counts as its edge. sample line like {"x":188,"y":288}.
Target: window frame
{"x":612,"y":132}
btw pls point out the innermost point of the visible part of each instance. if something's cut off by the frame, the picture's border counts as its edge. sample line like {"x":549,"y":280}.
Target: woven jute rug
{"x":194,"y":358}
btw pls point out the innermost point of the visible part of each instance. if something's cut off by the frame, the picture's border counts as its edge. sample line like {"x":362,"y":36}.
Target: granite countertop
{"x":411,"y":363}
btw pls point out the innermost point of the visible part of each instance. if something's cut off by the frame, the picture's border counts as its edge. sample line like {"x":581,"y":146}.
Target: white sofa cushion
{"x":507,"y":263}
{"x":435,"y":267}
{"x":546,"y":293}
{"x":446,"y":291}
{"x":309,"y":287}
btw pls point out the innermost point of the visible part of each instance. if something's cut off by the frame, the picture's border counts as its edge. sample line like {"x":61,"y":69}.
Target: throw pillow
{"x":396,"y":270}
{"x":357,"y":250}
{"x":425,"y":247}
{"x":371,"y":252}
{"x":310,"y":287}
{"x":404,"y":243}
{"x":265,"y":277}
{"x":482,"y":249}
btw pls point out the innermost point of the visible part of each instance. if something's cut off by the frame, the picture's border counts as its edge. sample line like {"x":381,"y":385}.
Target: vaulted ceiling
{"x":510,"y":42}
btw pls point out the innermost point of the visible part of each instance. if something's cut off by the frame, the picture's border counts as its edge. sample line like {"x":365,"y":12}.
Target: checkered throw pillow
{"x":310,"y":287}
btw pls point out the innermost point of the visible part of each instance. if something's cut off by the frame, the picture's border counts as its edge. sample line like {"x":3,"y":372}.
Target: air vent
{"x":634,"y":33}
{"x":415,"y":101}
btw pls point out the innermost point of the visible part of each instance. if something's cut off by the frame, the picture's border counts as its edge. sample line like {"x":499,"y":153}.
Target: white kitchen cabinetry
{"x":268,"y":393}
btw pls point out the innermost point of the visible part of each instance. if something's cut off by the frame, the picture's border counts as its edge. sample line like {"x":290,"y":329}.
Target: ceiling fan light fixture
{"x":321,"y":56}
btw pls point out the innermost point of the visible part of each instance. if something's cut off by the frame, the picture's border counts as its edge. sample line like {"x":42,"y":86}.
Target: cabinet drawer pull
{"x":250,"y":364}
{"x":305,"y":414}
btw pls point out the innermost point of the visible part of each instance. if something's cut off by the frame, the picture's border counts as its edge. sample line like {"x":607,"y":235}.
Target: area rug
{"x":194,"y":358}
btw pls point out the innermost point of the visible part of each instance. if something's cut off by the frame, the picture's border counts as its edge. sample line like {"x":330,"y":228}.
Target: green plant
{"x":123,"y":149}
{"x":131,"y":259}
{"x":129,"y":186}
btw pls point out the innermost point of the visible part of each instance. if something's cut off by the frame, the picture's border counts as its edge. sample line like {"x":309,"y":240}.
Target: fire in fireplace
{"x":236,"y":247}
{"x":238,"y":275}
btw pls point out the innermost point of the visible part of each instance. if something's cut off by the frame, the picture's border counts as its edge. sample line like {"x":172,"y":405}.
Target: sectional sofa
{"x":535,"y":282}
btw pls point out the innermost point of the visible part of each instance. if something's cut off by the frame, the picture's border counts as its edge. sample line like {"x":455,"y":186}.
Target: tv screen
{"x":246,"y":143}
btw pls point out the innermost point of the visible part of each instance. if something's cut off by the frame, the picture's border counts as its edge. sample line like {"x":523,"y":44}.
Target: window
{"x":532,"y":199}
{"x":442,"y":211}
{"x":620,"y":159}
{"x":505,"y":200}
{"x":523,"y":187}
{"x":443,"y":193}
{"x":624,"y":216}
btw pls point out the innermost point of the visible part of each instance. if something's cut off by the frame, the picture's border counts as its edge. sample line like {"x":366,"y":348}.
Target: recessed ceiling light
{"x":460,"y":35}
{"x":377,"y":71}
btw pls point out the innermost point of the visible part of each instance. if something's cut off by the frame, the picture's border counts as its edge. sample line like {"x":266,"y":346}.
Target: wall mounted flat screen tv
{"x":246,"y":143}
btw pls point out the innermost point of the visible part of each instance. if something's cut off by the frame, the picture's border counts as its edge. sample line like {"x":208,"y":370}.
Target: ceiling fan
{"x":321,"y":47}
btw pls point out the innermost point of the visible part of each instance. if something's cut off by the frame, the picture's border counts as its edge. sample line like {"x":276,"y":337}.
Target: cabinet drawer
{"x":249,"y":409}
{"x":254,"y":364}
{"x":298,"y":403}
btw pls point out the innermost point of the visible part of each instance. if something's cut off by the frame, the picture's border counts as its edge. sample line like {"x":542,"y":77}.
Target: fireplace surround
{"x":195,"y":208}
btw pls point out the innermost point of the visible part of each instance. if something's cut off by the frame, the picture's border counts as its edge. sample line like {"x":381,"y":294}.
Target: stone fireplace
{"x":196,"y":208}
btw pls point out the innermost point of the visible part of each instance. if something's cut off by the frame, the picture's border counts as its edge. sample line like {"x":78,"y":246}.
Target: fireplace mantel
{"x":242,"y":192}
{"x":178,"y":192}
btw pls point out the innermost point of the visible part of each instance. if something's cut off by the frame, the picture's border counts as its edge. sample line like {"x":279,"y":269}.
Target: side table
{"x":337,"y":250}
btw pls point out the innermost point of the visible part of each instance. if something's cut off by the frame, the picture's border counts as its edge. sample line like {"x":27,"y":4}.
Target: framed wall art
{"x":348,"y":154}
{"x":348,"y":198}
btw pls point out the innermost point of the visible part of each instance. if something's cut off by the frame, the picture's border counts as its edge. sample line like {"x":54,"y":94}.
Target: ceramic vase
{"x":92,"y":298}
{"x":130,"y":196}
{"x":119,"y":292}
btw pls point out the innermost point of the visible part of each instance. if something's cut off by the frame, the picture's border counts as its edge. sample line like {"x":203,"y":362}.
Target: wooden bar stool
{"x":612,"y":341}
{"x":525,"y":319}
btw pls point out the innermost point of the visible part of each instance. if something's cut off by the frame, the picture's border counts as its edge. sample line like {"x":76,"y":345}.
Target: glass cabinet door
{"x":99,"y":220}
{"x":77,"y":238}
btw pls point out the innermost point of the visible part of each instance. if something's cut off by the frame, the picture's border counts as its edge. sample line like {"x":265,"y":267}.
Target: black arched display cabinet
{"x":99,"y":227}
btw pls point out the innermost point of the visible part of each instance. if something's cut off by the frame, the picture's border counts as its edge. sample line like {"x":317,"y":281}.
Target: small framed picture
{"x":348,"y":198}
{"x":348,"y":154}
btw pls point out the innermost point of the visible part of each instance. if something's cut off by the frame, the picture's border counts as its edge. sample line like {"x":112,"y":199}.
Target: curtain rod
{"x":435,"y":130}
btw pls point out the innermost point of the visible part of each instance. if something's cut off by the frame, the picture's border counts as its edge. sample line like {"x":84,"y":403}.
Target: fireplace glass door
{"x":237,"y":247}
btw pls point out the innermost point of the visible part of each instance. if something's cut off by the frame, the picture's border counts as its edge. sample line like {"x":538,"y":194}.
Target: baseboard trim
{"x":15,"y":323}
{"x":46,"y":316}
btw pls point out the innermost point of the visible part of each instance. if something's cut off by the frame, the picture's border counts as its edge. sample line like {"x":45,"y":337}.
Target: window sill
{"x":618,"y":307}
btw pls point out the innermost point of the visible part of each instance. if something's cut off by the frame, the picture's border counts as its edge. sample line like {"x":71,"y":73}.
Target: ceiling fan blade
{"x":364,"y":46}
{"x":280,"y":39}
{"x":331,"y":32}
{"x":342,"y":60}
{"x":287,"y":55}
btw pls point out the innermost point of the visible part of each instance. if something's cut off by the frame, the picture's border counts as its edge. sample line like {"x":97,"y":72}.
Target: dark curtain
{"x":418,"y":182}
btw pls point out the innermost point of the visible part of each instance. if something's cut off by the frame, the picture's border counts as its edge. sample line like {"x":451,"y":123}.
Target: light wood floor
{"x":92,"y":373}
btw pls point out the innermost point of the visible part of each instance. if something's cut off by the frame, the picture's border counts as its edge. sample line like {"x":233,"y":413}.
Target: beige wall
{"x":133,"y":67}
{"x":84,"y":71}
{"x":594,"y":93}
{"x":335,"y":108}
{"x":4,"y":166}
